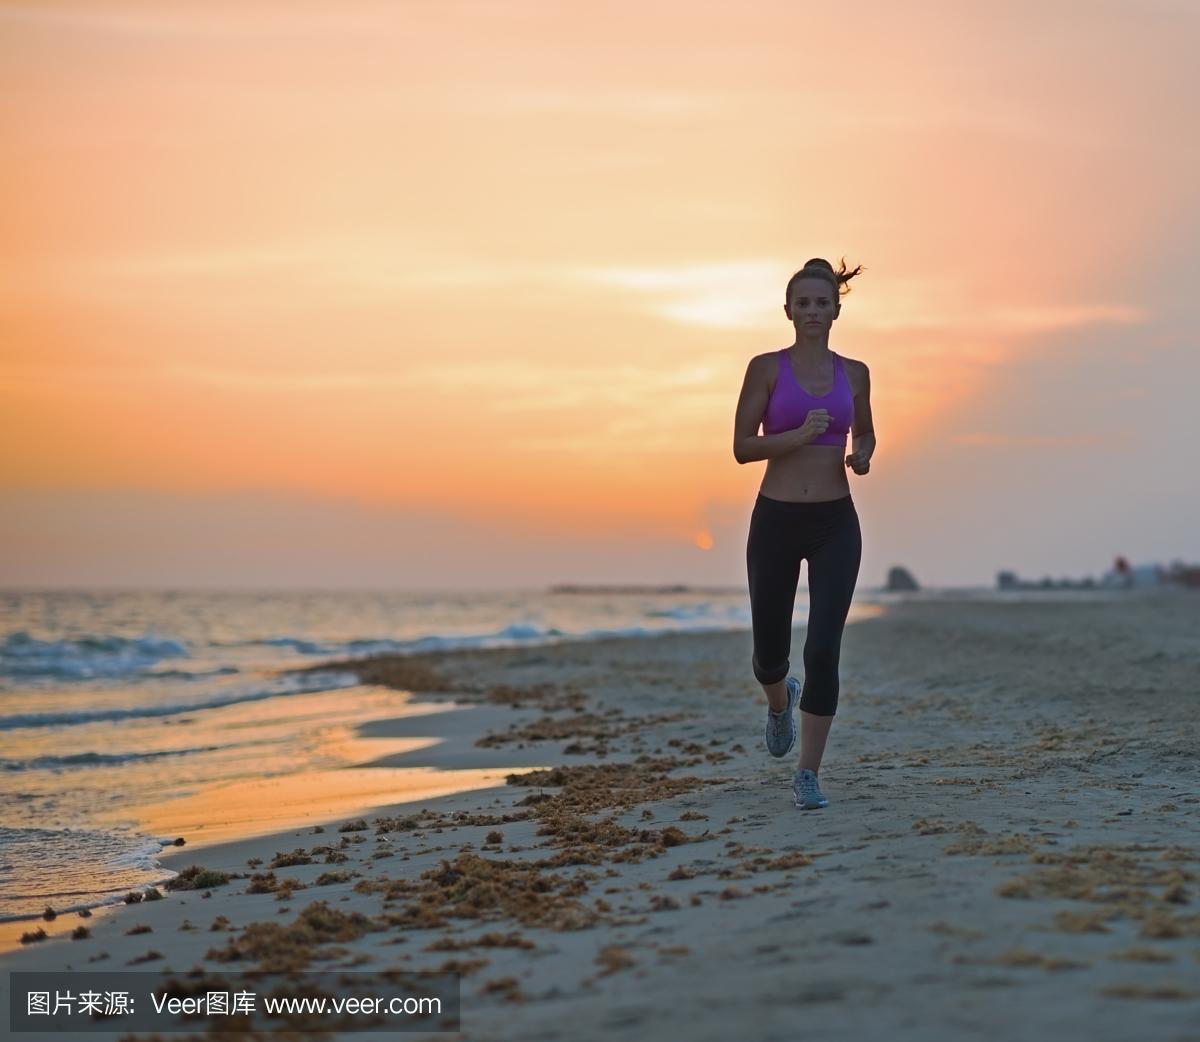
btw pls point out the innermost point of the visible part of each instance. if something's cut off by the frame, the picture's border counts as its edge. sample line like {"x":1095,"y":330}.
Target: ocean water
{"x":112,"y":701}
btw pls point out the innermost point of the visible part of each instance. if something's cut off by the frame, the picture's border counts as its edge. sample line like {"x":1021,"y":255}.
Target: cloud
{"x":179,"y":22}
{"x":1039,"y":440}
{"x":274,"y":539}
{"x":748,"y":294}
{"x":648,"y":102}
{"x":726,"y":294}
{"x":1032,"y":319}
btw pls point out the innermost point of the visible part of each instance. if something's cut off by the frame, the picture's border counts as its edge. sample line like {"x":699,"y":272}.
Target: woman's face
{"x":812,"y":306}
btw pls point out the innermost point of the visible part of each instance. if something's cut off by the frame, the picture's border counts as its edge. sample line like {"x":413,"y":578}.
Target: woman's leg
{"x":814,"y":732}
{"x":773,"y":568}
{"x":833,"y":562}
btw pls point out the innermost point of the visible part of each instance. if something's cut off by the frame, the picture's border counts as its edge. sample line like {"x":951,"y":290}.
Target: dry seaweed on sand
{"x":473,"y":887}
{"x":612,"y":724}
{"x":287,"y":858}
{"x":428,"y":820}
{"x":506,"y":988}
{"x":275,"y":946}
{"x":1141,"y":953}
{"x":588,"y":788}
{"x":1118,"y":881}
{"x":612,"y":958}
{"x":1166,"y":990}
{"x":403,"y":672}
{"x":195,"y":877}
{"x":792,"y":859}
{"x":1016,"y":843}
{"x":585,"y":842}
{"x":268,"y":883}
{"x":487,"y":940}
{"x":591,"y":788}
{"x":545,"y":695}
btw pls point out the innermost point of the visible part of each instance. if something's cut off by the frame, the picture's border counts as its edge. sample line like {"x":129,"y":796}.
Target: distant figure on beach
{"x":807,"y":398}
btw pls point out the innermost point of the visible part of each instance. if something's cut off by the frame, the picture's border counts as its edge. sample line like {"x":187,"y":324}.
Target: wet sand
{"x":1011,"y":847}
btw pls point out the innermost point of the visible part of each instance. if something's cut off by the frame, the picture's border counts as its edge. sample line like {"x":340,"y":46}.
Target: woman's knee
{"x":819,"y":700}
{"x":820,"y":694}
{"x":821,"y":659}
{"x":769,"y":674}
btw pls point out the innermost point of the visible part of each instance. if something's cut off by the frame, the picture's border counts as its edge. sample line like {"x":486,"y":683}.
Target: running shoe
{"x":781,"y":727}
{"x":807,"y":791}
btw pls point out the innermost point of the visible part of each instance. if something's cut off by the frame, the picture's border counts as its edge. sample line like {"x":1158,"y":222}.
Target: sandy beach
{"x":1012,"y":846}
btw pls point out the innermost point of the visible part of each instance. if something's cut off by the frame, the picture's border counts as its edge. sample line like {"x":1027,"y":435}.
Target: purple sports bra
{"x":790,"y":403}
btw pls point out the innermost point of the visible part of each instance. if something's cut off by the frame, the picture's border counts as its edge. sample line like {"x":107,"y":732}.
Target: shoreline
{"x":158,"y":823}
{"x":997,"y":828}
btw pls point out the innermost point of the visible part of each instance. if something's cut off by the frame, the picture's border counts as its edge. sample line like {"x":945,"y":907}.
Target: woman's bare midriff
{"x":809,"y":474}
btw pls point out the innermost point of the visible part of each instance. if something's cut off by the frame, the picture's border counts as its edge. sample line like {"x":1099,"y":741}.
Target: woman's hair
{"x":820,"y":268}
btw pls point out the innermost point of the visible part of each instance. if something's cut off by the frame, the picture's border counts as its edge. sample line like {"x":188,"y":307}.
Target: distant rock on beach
{"x":900,"y":580}
{"x":1122,"y":575}
{"x":1009,"y":580}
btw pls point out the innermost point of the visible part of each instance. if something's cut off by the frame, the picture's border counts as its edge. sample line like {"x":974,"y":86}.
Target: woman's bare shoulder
{"x":857,"y":373}
{"x":764,"y":357}
{"x":762,"y":365}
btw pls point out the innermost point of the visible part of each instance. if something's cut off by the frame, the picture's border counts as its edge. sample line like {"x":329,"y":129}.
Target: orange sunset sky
{"x":461,"y":294}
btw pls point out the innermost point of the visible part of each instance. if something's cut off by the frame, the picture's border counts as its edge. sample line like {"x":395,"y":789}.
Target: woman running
{"x":807,"y":399}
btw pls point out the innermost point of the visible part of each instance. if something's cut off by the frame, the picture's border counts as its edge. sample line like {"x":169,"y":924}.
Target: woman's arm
{"x":863,"y":427}
{"x":748,"y":444}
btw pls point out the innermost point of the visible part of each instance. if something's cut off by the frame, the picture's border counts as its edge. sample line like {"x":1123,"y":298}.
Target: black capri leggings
{"x":782,"y":534}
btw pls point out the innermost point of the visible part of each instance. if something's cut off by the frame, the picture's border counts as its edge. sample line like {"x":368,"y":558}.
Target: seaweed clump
{"x":473,"y":887}
{"x":195,"y":877}
{"x":277,"y":947}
